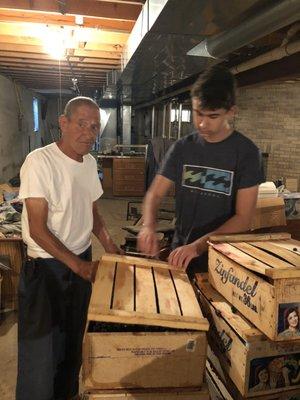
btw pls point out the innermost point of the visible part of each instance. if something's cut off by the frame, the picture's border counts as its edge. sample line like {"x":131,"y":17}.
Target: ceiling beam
{"x":102,"y":9}
{"x":64,"y":20}
{"x":43,"y":58}
{"x":76,"y":53}
{"x":27,"y":64}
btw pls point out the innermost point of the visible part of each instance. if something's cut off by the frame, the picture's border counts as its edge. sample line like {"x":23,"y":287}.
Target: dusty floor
{"x":114,"y":213}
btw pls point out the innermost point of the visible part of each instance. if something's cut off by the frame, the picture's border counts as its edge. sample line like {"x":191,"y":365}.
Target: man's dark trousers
{"x":53,"y":303}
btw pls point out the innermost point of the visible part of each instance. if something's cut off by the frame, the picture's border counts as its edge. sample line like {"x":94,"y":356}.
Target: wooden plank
{"x":124,"y":288}
{"x":167,"y":298}
{"x":236,"y":320}
{"x":102,"y":9}
{"x":261,"y":255}
{"x":59,"y":19}
{"x":141,"y":262}
{"x":283,"y":273}
{"x":241,"y":258}
{"x":187,"y":298}
{"x":249,"y":237}
{"x":127,"y":317}
{"x":145,"y":291}
{"x":281,"y":252}
{"x":150,"y":394}
{"x":102,"y":288}
{"x":291,"y":245}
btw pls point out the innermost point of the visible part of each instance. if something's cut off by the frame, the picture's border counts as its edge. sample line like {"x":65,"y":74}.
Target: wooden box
{"x":256,"y":365}
{"x":173,"y":394}
{"x":220,"y":389}
{"x":260,"y":276}
{"x":157,"y":333}
{"x":12,"y":248}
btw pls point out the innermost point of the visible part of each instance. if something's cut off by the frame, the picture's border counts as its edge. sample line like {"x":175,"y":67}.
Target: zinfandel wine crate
{"x":223,"y":390}
{"x":169,"y":394}
{"x":256,"y":365}
{"x":145,"y":327}
{"x":260,"y":276}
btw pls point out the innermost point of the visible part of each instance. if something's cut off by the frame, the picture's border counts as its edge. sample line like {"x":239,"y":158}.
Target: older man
{"x":60,"y":188}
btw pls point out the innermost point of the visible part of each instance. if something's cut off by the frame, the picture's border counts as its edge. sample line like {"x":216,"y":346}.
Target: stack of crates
{"x":251,"y":297}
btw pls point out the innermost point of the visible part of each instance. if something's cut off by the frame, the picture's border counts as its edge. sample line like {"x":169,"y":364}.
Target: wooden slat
{"x":249,"y":237}
{"x":188,"y":301}
{"x":283,"y":253}
{"x":241,"y":258}
{"x":102,"y":288}
{"x":142,"y":262}
{"x":169,"y":321}
{"x":167,"y":299}
{"x":124,"y":288}
{"x":291,"y":245}
{"x":239,"y":324}
{"x":262,"y":256}
{"x":145,"y":291}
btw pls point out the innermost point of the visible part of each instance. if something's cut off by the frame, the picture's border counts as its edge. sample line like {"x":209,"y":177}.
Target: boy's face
{"x":212,"y":125}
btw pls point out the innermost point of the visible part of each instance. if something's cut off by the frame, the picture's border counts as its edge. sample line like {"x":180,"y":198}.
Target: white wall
{"x":17,"y":137}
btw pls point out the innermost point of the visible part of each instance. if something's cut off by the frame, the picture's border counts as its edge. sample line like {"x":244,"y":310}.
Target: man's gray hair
{"x":76,"y":102}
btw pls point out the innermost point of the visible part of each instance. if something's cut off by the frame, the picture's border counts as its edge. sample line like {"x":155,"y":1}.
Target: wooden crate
{"x":243,"y":351}
{"x":158,"y":334}
{"x":14,"y":250}
{"x":174,"y":394}
{"x":260,"y":276}
{"x":224,"y":390}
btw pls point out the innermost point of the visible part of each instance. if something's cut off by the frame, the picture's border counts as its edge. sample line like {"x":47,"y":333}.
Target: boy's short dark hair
{"x":215,"y":88}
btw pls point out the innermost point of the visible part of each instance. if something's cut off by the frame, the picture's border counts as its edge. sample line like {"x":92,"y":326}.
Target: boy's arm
{"x":147,"y":239}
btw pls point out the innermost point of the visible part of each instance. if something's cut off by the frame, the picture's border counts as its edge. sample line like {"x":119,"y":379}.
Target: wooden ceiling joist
{"x":113,"y":10}
{"x":64,"y":64}
{"x":66,"y":20}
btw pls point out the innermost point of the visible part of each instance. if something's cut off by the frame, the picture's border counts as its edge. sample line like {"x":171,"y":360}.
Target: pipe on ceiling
{"x":270,"y":20}
{"x":272,"y":55}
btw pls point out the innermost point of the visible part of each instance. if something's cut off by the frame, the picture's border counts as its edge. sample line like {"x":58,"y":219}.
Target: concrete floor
{"x":114,"y":213}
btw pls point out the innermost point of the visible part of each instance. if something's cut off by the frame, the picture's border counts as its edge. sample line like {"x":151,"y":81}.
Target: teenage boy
{"x":216,"y":171}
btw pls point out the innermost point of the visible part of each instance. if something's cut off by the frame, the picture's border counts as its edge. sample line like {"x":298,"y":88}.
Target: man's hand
{"x":87,"y":270}
{"x":182,"y":256}
{"x":147,"y":241}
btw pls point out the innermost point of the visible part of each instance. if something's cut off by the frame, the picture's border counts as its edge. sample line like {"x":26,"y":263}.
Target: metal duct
{"x":273,"y":18}
{"x":273,"y":55}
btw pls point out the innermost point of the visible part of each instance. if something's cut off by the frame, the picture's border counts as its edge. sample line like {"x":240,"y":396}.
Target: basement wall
{"x":17,"y":136}
{"x":270,"y":115}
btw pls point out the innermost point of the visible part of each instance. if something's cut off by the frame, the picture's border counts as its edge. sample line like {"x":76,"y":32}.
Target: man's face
{"x":81,"y":129}
{"x":211,"y":124}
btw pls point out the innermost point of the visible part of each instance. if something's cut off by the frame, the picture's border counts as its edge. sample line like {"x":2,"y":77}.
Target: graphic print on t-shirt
{"x":207,"y":179}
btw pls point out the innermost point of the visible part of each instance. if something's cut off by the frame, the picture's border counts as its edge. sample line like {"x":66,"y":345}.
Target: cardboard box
{"x":145,"y":327}
{"x":256,"y":365}
{"x":269,"y":212}
{"x":260,"y":276}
